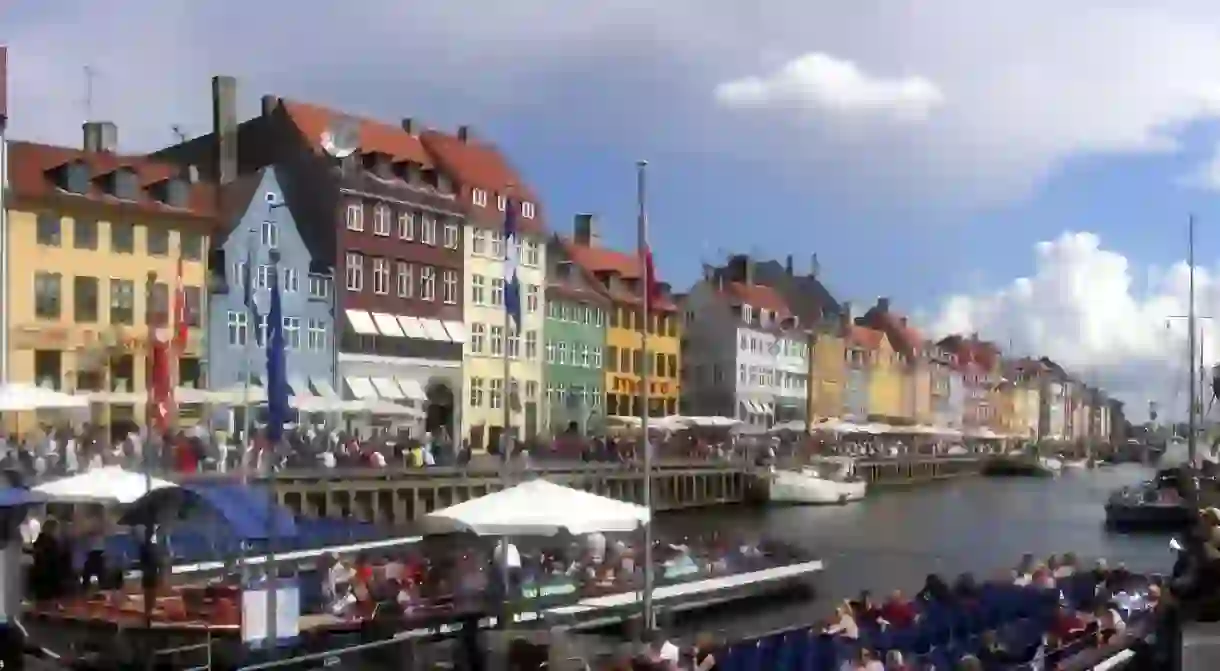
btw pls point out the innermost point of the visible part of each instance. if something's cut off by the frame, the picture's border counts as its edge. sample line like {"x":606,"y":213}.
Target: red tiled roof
{"x":863,"y":336}
{"x":375,"y":136}
{"x":756,"y":295}
{"x":32,"y":176}
{"x":478,"y":164}
{"x":599,"y":260}
{"x":971,"y":352}
{"x":907,"y":340}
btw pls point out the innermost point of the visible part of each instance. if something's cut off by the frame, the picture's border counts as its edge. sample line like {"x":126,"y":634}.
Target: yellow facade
{"x":625,"y":362}
{"x":72,"y":346}
{"x":886,"y":383}
{"x":920,"y":386}
{"x":1026,"y":406}
{"x":828,"y":374}
{"x":483,"y":361}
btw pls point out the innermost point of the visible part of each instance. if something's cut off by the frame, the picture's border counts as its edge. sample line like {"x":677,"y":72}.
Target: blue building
{"x":948,"y":389}
{"x":262,"y":221}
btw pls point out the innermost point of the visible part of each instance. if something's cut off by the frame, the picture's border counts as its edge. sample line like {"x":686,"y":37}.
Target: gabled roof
{"x":906,"y":339}
{"x":33,"y":171}
{"x":236,"y":198}
{"x":972,"y":352}
{"x":375,"y":136}
{"x":588,"y":288}
{"x":755,"y":295}
{"x":862,"y":336}
{"x":599,"y":261}
{"x":806,"y":296}
{"x":477,"y":164}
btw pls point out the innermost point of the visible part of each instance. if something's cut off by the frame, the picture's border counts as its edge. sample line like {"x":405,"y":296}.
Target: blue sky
{"x":922,"y":149}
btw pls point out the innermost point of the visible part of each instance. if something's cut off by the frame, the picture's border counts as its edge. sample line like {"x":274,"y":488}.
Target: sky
{"x":1023,"y":170}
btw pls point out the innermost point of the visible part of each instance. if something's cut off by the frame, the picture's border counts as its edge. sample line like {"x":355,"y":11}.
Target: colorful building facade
{"x":574,"y":334}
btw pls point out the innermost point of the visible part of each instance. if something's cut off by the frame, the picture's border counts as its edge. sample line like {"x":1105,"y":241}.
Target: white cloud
{"x":1205,"y":176}
{"x":823,"y":83}
{"x":1087,"y":308}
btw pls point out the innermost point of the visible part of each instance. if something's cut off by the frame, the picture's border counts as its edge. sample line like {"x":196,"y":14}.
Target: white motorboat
{"x":825,"y":480}
{"x":1051,"y":464}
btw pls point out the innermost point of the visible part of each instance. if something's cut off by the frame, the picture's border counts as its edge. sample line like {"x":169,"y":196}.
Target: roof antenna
{"x":90,"y":74}
{"x":180,"y":134}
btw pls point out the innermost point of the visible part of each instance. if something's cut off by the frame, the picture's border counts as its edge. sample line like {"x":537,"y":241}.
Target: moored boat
{"x":1022,"y":466}
{"x":826,"y":480}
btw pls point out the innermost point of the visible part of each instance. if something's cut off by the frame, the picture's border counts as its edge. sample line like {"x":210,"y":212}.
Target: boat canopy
{"x":248,"y":512}
{"x":537,"y":508}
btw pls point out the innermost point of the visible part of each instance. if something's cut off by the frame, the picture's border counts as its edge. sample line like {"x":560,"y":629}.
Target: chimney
{"x":410,"y":126}
{"x":846,"y":318}
{"x":269,"y":103}
{"x":788,"y":266}
{"x":883,"y":304}
{"x":814,"y":267}
{"x":224,"y":126}
{"x":584,"y":230}
{"x":3,"y":86}
{"x":100,"y":137}
{"x":465,"y":133}
{"x":749,"y":272}
{"x":974,"y":337}
{"x":903,"y":321}
{"x":738,"y":268}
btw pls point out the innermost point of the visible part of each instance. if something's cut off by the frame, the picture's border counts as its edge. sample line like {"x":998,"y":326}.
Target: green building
{"x":575,"y":334}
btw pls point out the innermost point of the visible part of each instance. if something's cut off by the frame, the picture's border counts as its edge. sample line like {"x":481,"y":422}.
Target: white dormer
{"x":764,"y":318}
{"x":747,"y":313}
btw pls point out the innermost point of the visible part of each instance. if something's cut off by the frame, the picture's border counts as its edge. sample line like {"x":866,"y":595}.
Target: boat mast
{"x":1191,"y":319}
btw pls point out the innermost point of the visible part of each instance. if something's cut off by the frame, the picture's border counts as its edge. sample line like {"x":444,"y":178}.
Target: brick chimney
{"x":846,"y":318}
{"x":410,"y":126}
{"x":883,"y":304}
{"x":465,"y":133}
{"x":788,"y":265}
{"x":100,"y":137}
{"x":269,"y":103}
{"x":584,"y":230}
{"x":224,"y":126}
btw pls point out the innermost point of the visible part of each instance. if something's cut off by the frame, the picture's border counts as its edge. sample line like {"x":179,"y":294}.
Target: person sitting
{"x":898,"y":611}
{"x":843,"y":624}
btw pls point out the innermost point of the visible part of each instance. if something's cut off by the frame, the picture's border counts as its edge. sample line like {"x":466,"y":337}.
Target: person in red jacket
{"x":898,"y":610}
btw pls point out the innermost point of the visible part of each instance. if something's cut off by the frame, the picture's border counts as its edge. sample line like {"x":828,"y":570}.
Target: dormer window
{"x":501,"y":203}
{"x":764,"y":318}
{"x":478,"y":197}
{"x":747,"y":314}
{"x":527,"y":210}
{"x":124,"y":184}
{"x":176,"y":193}
{"x":76,"y":177}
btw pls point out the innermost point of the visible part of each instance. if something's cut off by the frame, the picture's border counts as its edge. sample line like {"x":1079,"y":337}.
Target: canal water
{"x":894,"y":538}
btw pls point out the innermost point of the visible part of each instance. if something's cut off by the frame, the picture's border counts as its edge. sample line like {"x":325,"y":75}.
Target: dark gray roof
{"x":808,"y":298}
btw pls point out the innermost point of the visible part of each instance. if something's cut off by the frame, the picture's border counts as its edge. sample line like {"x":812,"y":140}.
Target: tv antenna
{"x":90,"y":75}
{"x":179,"y":133}
{"x":341,"y":138}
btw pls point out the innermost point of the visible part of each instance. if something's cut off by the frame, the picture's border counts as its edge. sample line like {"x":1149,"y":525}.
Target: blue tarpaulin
{"x":12,"y":497}
{"x":248,"y":511}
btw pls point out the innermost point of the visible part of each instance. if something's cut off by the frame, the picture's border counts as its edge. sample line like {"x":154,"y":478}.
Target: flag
{"x":181,"y":332}
{"x":248,"y":283}
{"x":652,"y":288}
{"x":512,"y":288}
{"x":160,"y":388}
{"x":277,"y":382}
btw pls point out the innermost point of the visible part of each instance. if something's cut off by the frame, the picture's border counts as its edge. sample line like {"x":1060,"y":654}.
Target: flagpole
{"x":641,"y":247}
{"x":271,"y":571}
{"x":510,"y":238}
{"x":247,"y":368}
{"x":147,"y":571}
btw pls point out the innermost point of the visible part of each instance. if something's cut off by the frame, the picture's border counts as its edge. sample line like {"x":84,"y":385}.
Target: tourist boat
{"x":1154,"y":505}
{"x":826,"y":480}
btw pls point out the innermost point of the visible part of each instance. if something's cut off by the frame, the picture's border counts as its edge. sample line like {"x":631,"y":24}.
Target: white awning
{"x":412,"y":388}
{"x":361,"y":322}
{"x":299,"y":386}
{"x":387,"y":388}
{"x":323,"y":388}
{"x":457,"y":331}
{"x":361,"y":387}
{"x":435,"y":330}
{"x":754,"y":407}
{"x":767,"y":408}
{"x":412,"y":328}
{"x":387,"y":325}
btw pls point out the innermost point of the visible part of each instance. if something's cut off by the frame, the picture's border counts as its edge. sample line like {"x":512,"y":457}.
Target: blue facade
{"x":855,"y":394}
{"x":307,"y":299}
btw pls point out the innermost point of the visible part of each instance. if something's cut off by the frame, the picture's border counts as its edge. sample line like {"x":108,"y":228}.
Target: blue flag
{"x":247,"y":281}
{"x":277,"y":381}
{"x":512,"y":288}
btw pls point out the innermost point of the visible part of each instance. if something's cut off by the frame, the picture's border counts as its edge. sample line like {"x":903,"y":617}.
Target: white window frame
{"x":262,"y":278}
{"x":270,"y":234}
{"x":404,"y":279}
{"x":355,"y":216}
{"x":449,"y":287}
{"x":495,"y":340}
{"x":452,"y":236}
{"x":238,"y":327}
{"x":478,"y":242}
{"x":527,"y":209}
{"x":478,"y":197}
{"x":318,"y":286}
{"x":497,"y":291}
{"x":427,"y":231}
{"x":292,"y":332}
{"x":353,"y":271}
{"x":381,"y":276}
{"x":531,"y":345}
{"x":292,"y":280}
{"x":317,"y":335}
{"x":381,"y":220}
{"x":531,"y":298}
{"x":427,"y":283}
{"x":531,"y":253}
{"x":478,"y":289}
{"x":478,"y":338}
{"x":501,"y":203}
{"x":406,"y":225}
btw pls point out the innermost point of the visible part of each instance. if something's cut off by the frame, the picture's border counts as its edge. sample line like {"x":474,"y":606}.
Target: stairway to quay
{"x":399,"y":496}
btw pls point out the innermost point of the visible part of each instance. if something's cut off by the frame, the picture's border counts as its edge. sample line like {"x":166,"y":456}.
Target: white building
{"x":745,"y":355}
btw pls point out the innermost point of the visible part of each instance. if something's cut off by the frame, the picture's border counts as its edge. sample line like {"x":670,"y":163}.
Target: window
{"x":190,"y":245}
{"x":478,"y":289}
{"x":318,"y":286}
{"x":381,"y":221}
{"x":449,"y":287}
{"x":497,"y":393}
{"x":270,"y":232}
{"x":157,"y":241}
{"x":427,"y":229}
{"x":476,"y":392}
{"x":406,"y":225}
{"x":381,"y":276}
{"x":527,"y":209}
{"x":47,"y":298}
{"x":478,"y":242}
{"x":624,"y":363}
{"x":238,"y":323}
{"x":427,"y":283}
{"x":531,"y":390}
{"x":84,"y":299}
{"x":611,"y":359}
{"x":514,"y":343}
{"x":122,"y":302}
{"x":531,"y":253}
{"x":452,"y":236}
{"x":531,"y":298}
{"x":122,"y":238}
{"x":354,"y":272}
{"x":292,"y":280}
{"x":194,"y":305}
{"x":84,"y":234}
{"x":317,"y":335}
{"x":497,"y":291}
{"x":478,"y":197}
{"x":478,"y":336}
{"x":49,"y":230}
{"x":501,"y":203}
{"x":158,"y":308}
{"x":596,"y":361}
{"x":262,"y":279}
{"x":292,"y":332}
{"x":584,"y":356}
{"x":561,"y":353}
{"x":497,"y":244}
{"x":260,"y":331}
{"x":672,"y":360}
{"x":497,"y":341}
{"x":355,"y":216}
{"x":531,"y":345}
{"x":405,"y":279}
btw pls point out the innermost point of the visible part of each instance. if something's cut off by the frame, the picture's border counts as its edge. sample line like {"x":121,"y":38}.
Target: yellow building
{"x":86,"y":228}
{"x":827,"y":374}
{"x":886,"y":382}
{"x":621,"y":276}
{"x":919,"y":387}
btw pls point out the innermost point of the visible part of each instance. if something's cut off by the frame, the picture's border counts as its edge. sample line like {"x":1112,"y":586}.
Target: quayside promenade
{"x":403,"y":495}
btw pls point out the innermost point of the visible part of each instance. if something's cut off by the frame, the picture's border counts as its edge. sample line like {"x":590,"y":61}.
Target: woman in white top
{"x":844,"y":624}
